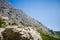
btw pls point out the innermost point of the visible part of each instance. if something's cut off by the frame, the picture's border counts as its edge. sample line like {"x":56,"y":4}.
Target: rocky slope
{"x":19,"y":17}
{"x":15,"y":19}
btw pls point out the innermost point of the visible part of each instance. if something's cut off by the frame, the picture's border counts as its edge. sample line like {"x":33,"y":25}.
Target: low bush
{"x":2,"y":23}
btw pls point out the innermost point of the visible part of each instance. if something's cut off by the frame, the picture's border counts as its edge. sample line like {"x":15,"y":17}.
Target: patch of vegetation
{"x":2,"y":23}
{"x":52,"y":31}
{"x":57,"y":32}
{"x":47,"y":37}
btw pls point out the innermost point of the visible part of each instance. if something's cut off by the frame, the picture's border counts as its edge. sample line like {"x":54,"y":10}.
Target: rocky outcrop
{"x":22,"y":33}
{"x":18,"y":16}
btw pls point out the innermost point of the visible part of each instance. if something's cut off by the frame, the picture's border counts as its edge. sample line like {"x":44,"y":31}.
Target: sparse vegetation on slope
{"x":47,"y":37}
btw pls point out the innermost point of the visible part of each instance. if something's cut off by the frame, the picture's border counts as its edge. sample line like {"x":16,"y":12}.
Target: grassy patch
{"x":47,"y":37}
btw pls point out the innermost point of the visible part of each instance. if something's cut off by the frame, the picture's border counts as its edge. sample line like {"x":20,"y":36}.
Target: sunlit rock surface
{"x":22,"y":33}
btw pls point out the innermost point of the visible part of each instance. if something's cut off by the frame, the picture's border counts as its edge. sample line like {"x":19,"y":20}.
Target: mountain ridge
{"x":19,"y":17}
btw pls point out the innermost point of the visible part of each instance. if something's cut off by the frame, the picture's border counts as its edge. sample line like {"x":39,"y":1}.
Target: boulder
{"x":23,"y":33}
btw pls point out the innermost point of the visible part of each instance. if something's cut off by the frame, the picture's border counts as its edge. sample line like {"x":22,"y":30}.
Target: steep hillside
{"x":18,"y":16}
{"x":12,"y":16}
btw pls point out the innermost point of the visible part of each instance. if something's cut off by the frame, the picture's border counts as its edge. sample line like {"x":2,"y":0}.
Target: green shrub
{"x":2,"y":23}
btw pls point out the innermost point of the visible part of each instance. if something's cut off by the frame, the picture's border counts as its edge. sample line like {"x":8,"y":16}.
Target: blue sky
{"x":45,"y":11}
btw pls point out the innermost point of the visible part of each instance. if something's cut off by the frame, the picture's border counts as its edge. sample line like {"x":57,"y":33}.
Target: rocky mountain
{"x":18,"y":16}
{"x":12,"y":16}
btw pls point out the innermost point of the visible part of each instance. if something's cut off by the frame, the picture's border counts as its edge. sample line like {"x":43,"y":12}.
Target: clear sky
{"x":45,"y":11}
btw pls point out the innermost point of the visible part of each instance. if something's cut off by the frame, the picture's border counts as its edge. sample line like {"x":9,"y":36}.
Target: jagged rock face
{"x":23,"y":33}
